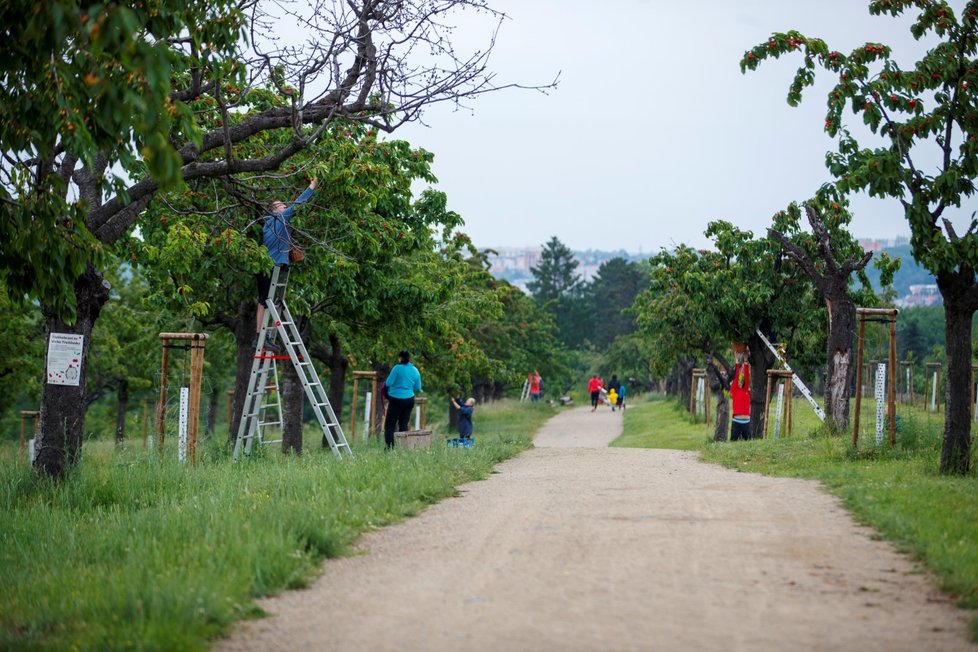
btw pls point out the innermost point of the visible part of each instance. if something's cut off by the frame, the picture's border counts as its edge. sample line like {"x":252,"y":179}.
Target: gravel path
{"x":576,"y":546}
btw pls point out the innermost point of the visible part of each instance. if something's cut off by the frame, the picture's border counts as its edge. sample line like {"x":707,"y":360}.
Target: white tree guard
{"x":184,"y":409}
{"x":880,"y":392}
{"x":700,"y":396}
{"x":417,"y":418}
{"x":367,"y":406}
{"x":777,"y":411}
{"x":933,"y":393}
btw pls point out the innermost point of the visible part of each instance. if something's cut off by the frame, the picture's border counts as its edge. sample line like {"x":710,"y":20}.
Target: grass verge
{"x":133,"y":553}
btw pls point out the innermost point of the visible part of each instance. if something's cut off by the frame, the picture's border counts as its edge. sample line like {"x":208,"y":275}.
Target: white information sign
{"x":64,"y":358}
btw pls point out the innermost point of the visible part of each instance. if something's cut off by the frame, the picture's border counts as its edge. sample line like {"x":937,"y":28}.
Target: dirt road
{"x":575,"y":546}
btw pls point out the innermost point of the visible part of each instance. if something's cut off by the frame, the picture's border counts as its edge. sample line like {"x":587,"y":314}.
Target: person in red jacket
{"x":740,"y":397}
{"x":594,"y":386}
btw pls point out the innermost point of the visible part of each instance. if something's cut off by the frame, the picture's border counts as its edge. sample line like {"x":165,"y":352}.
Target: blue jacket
{"x":404,"y":381}
{"x":277,"y":238}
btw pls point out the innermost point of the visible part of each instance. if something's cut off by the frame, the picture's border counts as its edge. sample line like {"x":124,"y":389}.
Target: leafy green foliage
{"x":90,"y":84}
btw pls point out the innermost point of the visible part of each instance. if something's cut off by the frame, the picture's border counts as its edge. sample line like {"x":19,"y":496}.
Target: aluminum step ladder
{"x":270,"y":413}
{"x":279,"y":322}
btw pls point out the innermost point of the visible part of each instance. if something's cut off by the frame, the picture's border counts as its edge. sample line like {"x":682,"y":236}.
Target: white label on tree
{"x":880,"y":389}
{"x":64,"y":358}
{"x":184,"y":408}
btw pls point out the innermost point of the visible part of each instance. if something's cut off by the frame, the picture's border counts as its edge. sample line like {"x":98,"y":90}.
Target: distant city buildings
{"x":514,"y":263}
{"x":920,"y":295}
{"x":879,"y":244}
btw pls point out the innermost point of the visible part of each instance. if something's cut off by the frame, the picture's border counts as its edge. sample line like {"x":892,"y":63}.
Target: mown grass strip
{"x":132,"y":553}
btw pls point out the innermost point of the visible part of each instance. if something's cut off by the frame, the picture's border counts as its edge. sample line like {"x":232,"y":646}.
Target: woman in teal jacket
{"x":402,"y":384}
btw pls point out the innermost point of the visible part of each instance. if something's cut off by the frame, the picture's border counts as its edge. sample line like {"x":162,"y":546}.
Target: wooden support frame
{"x":195,"y":343}
{"x":774,"y":378}
{"x":929,"y":386}
{"x":887,"y":316}
{"x":372,"y":424}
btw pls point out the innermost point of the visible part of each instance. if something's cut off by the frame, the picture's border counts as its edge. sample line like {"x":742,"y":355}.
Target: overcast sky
{"x":652,"y":131}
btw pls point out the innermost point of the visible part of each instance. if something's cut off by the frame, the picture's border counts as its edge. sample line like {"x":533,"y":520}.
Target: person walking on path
{"x":465,"y":411}
{"x":594,"y":388}
{"x":277,"y":238}
{"x":536,"y":385}
{"x":403,"y":382}
{"x":621,"y":396}
{"x":613,"y":386}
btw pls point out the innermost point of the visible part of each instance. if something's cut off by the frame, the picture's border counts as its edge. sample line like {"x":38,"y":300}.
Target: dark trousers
{"x":740,"y":431}
{"x":398,"y":414}
{"x":594,"y":398}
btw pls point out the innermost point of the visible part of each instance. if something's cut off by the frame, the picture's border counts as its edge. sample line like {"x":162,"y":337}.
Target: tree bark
{"x":293,"y":397}
{"x":959,"y":312}
{"x":244,"y":342}
{"x":122,"y":393}
{"x":717,"y":385}
{"x":62,"y":419}
{"x":760,"y":360}
{"x":839,"y":355}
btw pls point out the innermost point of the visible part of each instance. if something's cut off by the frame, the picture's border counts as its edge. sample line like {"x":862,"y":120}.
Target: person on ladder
{"x":277,"y":237}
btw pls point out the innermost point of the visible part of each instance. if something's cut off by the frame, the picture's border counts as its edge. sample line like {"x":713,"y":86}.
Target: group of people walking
{"x":613,"y":394}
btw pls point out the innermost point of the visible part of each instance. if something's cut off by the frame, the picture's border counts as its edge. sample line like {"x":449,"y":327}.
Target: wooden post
{"x":933,"y":386}
{"x":889,"y":316}
{"x":907,"y":394}
{"x":859,"y":391}
{"x":422,"y":405}
{"x":195,"y":343}
{"x":230,"y":403}
{"x":161,"y":406}
{"x":781,"y":377}
{"x":372,"y":376}
{"x":767,"y":405}
{"x":891,"y":394}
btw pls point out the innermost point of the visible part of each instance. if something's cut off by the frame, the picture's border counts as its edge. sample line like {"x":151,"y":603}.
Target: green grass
{"x":897,"y":490}
{"x":133,"y":553}
{"x":660,"y":422}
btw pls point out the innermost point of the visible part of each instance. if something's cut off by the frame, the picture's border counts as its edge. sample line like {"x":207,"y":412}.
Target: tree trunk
{"x":212,"y":411}
{"x":383,"y":371}
{"x":722,"y":425}
{"x":122,"y":393}
{"x":293,"y":397}
{"x":956,"y":450}
{"x":841,"y":363}
{"x":244,"y":342}
{"x":338,"y":365}
{"x":62,"y":418}
{"x":760,"y":360}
